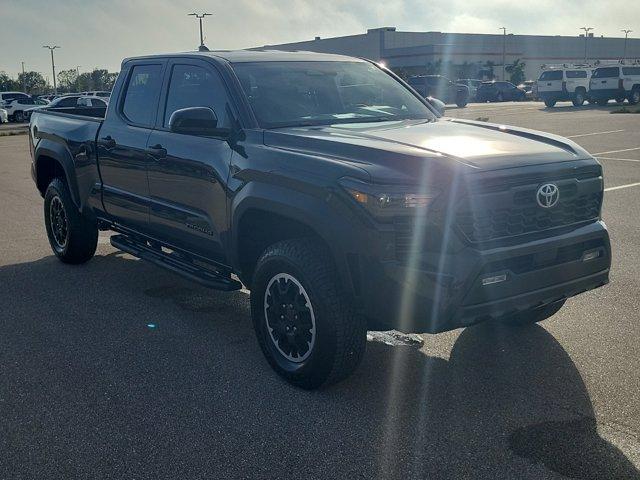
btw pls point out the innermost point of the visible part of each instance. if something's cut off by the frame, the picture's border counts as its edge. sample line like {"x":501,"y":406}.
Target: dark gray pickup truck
{"x":332,"y":191}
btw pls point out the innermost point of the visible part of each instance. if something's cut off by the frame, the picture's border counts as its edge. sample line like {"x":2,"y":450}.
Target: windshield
{"x":322,"y":93}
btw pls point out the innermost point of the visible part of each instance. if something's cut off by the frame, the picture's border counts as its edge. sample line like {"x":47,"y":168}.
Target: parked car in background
{"x":528,"y":88}
{"x":17,"y":107}
{"x":472,"y":84}
{"x":564,"y":84}
{"x":8,"y":97}
{"x":617,"y":83}
{"x":97,"y":93}
{"x":71,"y":102}
{"x":4,"y":116}
{"x":495,"y":91}
{"x":440,"y":87}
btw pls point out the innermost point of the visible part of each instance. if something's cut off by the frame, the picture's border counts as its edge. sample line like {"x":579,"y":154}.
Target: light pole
{"x":504,"y":53}
{"x":53,"y":66}
{"x":24,"y":80}
{"x":586,"y":37}
{"x":78,"y":77}
{"x":200,"y":16}
{"x":626,"y":36}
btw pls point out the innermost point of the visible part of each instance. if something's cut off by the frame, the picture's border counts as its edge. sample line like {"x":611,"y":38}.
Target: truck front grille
{"x":485,"y":219}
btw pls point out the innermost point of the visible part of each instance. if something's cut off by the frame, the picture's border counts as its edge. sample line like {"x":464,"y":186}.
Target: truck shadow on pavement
{"x":118,"y":369}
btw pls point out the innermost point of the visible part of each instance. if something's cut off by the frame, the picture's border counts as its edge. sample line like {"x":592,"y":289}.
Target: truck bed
{"x":88,"y":113}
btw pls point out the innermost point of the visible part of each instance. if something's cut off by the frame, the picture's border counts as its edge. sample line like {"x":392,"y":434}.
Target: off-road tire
{"x":340,"y":335}
{"x":534,"y":316}
{"x":82,"y":230}
{"x":579,"y":98}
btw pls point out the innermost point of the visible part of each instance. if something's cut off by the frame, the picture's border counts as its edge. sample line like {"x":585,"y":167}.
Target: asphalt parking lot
{"x":117,"y":369}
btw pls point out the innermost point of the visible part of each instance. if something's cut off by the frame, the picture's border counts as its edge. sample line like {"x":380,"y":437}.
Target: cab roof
{"x":258,"y":55}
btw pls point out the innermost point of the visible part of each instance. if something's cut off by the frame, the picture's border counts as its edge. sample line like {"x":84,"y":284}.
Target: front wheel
{"x":620,"y":100}
{"x":634,"y":98}
{"x":579,"y":98}
{"x":462,"y":101}
{"x":305,"y":325}
{"x":550,"y":103}
{"x":19,"y":116}
{"x":534,"y":316}
{"x":73,"y":236}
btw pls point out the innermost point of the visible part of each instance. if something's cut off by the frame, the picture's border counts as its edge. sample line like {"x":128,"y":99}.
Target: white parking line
{"x":616,"y":151}
{"x":620,"y":159}
{"x":594,"y":133}
{"x":610,"y":189}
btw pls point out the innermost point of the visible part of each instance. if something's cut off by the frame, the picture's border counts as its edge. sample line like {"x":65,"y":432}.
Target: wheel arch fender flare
{"x":59,"y":153}
{"x":311,"y":211}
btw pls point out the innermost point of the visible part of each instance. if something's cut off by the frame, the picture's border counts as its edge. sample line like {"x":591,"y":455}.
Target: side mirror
{"x":438,"y":105}
{"x":196,"y":121}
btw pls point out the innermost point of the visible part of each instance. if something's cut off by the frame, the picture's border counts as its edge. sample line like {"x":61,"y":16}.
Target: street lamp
{"x":626,"y":36}
{"x":53,"y":66}
{"x":586,"y":36}
{"x":504,"y":53}
{"x":200,"y":16}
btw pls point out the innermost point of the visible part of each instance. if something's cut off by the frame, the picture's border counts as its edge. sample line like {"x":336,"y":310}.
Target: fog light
{"x":586,"y":256}
{"x":494,"y":279}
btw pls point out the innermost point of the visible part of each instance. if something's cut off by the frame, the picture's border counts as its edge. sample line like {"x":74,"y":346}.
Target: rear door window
{"x":606,"y":72}
{"x":631,"y":70}
{"x":142,"y":92}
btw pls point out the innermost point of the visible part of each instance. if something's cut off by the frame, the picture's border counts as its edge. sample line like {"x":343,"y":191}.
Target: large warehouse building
{"x":469,"y":55}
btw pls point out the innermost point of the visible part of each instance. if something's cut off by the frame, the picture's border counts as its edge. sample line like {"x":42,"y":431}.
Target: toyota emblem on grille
{"x":548,"y":195}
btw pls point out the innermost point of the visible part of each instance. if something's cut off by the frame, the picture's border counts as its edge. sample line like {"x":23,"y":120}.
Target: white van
{"x":564,"y":84}
{"x":617,"y":82}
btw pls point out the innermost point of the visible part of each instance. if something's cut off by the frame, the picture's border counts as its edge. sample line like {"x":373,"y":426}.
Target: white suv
{"x":617,"y":82}
{"x":564,"y":84}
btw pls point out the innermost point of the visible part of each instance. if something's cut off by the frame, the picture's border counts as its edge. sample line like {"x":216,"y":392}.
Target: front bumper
{"x":412,"y":297}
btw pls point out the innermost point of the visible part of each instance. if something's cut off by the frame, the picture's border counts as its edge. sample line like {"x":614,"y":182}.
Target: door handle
{"x":157,"y":152}
{"x":108,"y":142}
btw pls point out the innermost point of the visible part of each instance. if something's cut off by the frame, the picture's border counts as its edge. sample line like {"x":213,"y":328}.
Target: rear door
{"x":122,"y":143}
{"x":631,"y":77}
{"x":577,"y":79}
{"x":189,"y":173}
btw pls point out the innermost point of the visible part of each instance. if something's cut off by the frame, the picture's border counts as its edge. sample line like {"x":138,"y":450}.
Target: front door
{"x":122,"y":145}
{"x":188,"y":173}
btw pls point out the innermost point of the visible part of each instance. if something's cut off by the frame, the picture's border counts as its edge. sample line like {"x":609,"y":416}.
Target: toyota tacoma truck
{"x":331,"y":190}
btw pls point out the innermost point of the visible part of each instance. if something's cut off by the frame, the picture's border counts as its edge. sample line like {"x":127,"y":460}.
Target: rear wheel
{"x":73,"y":237}
{"x":550,"y":103}
{"x":19,"y":116}
{"x":305,"y":325}
{"x":634,"y":98}
{"x":534,"y":316}
{"x":462,"y":101}
{"x":579,"y":98}
{"x":620,"y":100}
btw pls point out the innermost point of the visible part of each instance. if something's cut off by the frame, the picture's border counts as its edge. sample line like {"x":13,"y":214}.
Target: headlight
{"x":387,"y":201}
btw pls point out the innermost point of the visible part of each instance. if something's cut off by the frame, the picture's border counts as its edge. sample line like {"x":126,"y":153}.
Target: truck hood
{"x":475,"y":145}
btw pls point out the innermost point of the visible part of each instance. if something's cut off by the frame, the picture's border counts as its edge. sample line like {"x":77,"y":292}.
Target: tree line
{"x":67,"y":81}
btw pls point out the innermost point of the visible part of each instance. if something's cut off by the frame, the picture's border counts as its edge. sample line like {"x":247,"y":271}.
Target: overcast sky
{"x":100,"y":33}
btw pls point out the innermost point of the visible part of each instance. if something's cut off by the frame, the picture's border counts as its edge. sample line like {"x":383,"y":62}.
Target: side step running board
{"x":178,"y":263}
